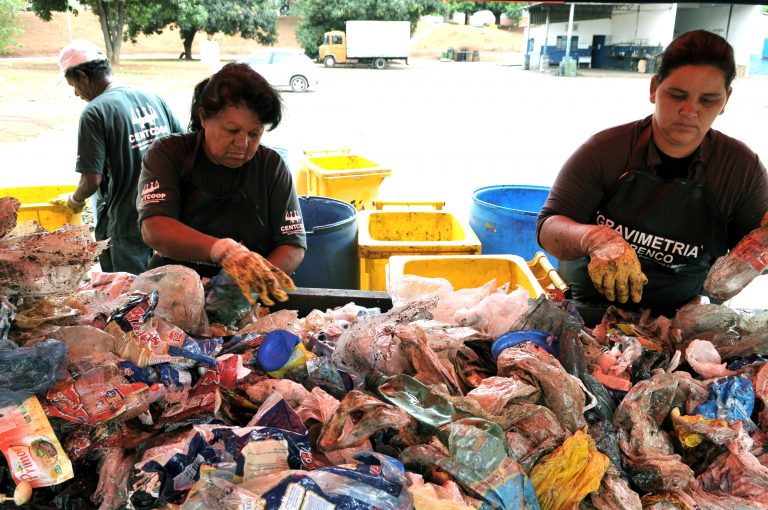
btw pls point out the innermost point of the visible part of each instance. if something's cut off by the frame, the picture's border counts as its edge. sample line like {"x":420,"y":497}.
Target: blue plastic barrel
{"x":504,"y":218}
{"x":331,"y":261}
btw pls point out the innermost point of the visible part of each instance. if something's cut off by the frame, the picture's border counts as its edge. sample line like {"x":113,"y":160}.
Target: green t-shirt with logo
{"x":116,"y":129}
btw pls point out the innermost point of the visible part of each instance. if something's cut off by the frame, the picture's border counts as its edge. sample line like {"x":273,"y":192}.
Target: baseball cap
{"x":78,"y":52}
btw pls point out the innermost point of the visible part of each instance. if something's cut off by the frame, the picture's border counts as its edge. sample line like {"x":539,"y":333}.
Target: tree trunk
{"x":112,"y":20}
{"x":187,"y":35}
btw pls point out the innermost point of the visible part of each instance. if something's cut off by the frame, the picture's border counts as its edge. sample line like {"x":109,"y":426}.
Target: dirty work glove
{"x":67,"y":200}
{"x":252,"y":272}
{"x":736,"y":269}
{"x":613,"y":266}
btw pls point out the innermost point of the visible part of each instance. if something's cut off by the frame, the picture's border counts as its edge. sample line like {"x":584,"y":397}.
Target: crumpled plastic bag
{"x":566,"y":476}
{"x":29,"y":370}
{"x":495,"y":314}
{"x":370,"y":482}
{"x":428,"y":496}
{"x":478,"y":461}
{"x":410,"y":287}
{"x":364,"y":347}
{"x":47,"y":263}
{"x":85,"y":342}
{"x":705,"y":360}
{"x":181,"y":296}
{"x":730,"y":398}
{"x":9,"y":209}
{"x":224,"y":302}
{"x":7,"y":316}
{"x":35,"y":314}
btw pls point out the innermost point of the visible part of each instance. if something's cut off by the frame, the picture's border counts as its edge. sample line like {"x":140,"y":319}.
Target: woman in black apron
{"x":215,"y":197}
{"x":640,"y":212}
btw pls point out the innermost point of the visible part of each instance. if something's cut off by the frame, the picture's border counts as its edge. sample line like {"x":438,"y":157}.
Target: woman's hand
{"x":613,"y":266}
{"x":252,"y":272}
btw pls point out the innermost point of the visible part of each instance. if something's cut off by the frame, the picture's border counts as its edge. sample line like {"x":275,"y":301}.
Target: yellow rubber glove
{"x":613,"y":267}
{"x":252,"y":272}
{"x":67,"y":200}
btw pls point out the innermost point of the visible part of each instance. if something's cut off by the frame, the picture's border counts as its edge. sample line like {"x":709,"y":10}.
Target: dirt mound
{"x":434,"y":39}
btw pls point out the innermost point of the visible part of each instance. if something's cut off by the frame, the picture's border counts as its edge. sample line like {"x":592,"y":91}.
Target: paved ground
{"x":444,"y":128}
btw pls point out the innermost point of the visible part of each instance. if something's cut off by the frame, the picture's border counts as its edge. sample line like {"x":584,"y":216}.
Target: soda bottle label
{"x":753,"y":249}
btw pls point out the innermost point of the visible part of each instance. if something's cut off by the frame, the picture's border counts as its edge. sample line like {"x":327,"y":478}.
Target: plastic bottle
{"x":282,"y":351}
{"x":733,"y":271}
{"x":535,"y":336}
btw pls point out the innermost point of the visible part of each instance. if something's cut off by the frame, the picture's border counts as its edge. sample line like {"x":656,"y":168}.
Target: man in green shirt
{"x":116,"y":128}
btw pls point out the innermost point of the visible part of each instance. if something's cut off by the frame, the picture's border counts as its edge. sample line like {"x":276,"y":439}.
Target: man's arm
{"x":88,"y":185}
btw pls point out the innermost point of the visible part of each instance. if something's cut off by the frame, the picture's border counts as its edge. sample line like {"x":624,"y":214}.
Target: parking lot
{"x":446,"y":129}
{"x":443,"y":128}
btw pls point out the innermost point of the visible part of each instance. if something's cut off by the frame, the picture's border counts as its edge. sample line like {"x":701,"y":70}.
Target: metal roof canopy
{"x":560,"y":11}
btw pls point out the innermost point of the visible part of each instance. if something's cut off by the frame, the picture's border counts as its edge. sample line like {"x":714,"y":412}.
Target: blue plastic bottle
{"x":281,"y":351}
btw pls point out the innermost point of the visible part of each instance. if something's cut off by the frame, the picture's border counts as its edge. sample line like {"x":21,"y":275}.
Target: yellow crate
{"x":35,"y":206}
{"x":467,"y":271}
{"x":382,"y":234}
{"x":341,"y":175}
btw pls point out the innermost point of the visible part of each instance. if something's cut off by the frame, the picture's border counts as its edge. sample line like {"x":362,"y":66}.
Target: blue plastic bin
{"x":504,"y":218}
{"x":331,"y":261}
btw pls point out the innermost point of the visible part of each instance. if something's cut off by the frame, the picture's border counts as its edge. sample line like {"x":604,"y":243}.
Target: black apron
{"x":673,"y":225}
{"x":234,"y":215}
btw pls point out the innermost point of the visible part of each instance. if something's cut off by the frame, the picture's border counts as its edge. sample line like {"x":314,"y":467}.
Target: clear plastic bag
{"x":181,"y":296}
{"x":29,"y":370}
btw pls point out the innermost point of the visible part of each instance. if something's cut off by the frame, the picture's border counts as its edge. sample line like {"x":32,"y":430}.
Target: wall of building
{"x":583,"y":29}
{"x":642,"y":24}
{"x":742,"y":25}
{"x":641,"y":27}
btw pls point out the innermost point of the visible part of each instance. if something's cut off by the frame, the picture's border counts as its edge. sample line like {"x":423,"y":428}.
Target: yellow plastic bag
{"x":567,"y":475}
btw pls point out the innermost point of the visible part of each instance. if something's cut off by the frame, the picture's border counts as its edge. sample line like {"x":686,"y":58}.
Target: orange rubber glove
{"x":613,"y":267}
{"x":252,"y":272}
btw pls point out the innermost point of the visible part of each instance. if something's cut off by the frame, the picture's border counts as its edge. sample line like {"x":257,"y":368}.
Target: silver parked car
{"x":284,"y":67}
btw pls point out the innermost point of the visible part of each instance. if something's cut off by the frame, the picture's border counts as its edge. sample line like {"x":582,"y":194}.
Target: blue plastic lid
{"x":513,"y":338}
{"x":276,"y":349}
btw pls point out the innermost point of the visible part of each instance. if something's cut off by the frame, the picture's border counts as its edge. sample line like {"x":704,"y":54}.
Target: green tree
{"x":513,"y":10}
{"x":252,"y":19}
{"x":10,"y":23}
{"x":319,"y":16}
{"x":111,"y":13}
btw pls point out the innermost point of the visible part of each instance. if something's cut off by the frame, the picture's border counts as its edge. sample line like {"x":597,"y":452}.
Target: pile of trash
{"x":162,"y":390}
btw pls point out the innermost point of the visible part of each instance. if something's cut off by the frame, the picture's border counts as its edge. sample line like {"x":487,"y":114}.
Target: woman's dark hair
{"x":94,"y":69}
{"x":697,"y":48}
{"x":236,"y":84}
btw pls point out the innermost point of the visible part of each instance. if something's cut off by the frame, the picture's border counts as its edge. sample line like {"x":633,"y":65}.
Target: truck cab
{"x":334,"y":48}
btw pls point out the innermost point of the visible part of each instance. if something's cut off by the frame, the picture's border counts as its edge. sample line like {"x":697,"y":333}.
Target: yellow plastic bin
{"x":35,"y":206}
{"x":384,"y":233}
{"x":467,"y":271}
{"x":342,"y":175}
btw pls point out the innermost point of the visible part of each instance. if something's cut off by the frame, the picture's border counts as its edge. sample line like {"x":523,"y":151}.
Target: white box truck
{"x":373,"y":43}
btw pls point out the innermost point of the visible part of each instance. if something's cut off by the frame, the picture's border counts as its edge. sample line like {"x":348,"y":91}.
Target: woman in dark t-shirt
{"x":639,"y":213}
{"x":216,"y":198}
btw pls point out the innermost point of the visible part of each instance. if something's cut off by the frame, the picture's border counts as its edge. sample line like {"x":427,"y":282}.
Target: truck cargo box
{"x":372,"y":39}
